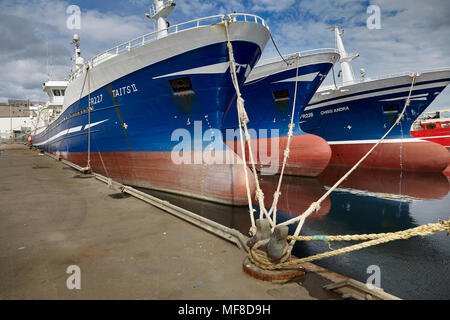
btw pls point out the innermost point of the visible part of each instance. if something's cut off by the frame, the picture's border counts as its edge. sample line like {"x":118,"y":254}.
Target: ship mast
{"x":80,"y":66}
{"x":159,"y":12}
{"x":346,"y":68}
{"x":77,"y":59}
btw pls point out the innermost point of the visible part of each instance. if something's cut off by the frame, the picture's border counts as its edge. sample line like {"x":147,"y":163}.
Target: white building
{"x":16,"y":117}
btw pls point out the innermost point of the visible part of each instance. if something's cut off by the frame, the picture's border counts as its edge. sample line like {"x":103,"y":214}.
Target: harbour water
{"x":369,"y":201}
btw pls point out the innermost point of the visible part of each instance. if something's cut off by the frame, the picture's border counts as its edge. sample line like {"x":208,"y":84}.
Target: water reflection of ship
{"x":385,"y":193}
{"x":357,"y":214}
{"x":297,"y":194}
{"x":388,"y":184}
{"x":355,"y":211}
{"x":374,"y":200}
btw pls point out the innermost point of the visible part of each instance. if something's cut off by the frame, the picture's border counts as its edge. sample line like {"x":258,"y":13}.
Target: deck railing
{"x":380,"y":77}
{"x":193,"y":24}
{"x":296,"y":54}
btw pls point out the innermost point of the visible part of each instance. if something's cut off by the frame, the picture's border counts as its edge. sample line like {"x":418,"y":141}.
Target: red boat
{"x":433,"y":126}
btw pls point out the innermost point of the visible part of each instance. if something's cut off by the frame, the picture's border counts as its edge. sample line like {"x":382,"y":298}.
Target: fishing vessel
{"x":46,"y":114}
{"x":269,"y":94}
{"x":353,"y":115}
{"x":139,"y":112}
{"x":433,"y":126}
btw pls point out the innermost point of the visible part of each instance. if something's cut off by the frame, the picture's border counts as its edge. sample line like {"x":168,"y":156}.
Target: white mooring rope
{"x":315,"y":206}
{"x":243,"y":120}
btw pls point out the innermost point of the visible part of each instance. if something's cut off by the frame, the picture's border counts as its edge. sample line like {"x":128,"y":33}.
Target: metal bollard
{"x":278,"y":243}
{"x":262,"y":232}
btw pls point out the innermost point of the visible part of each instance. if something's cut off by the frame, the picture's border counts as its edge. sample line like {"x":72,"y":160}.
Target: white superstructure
{"x":45,"y":114}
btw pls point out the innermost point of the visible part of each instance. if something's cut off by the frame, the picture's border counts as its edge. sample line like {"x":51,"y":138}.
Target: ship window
{"x":390,"y":108}
{"x":281,"y":95}
{"x":56,"y":93}
{"x":181,"y":85}
{"x":431,"y":126}
{"x":63,"y":92}
{"x":446,"y":125}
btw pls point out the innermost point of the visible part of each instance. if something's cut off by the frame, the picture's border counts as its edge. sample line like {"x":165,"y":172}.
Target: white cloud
{"x":326,"y":10}
{"x":414,"y":34}
{"x":35,"y":32}
{"x":272,"y":6}
{"x":196,"y":8}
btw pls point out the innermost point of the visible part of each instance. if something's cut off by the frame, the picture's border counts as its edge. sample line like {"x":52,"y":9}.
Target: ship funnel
{"x":159,"y":12}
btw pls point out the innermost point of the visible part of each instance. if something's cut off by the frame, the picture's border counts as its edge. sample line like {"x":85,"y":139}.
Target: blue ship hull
{"x":140,"y":112}
{"x":268,"y":102}
{"x":356,"y":116}
{"x":133,"y":120}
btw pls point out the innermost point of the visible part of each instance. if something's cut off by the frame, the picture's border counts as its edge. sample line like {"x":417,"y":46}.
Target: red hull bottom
{"x":309,"y":155}
{"x":442,"y":141}
{"x":223,"y":183}
{"x":447,"y":171}
{"x":410,"y":156}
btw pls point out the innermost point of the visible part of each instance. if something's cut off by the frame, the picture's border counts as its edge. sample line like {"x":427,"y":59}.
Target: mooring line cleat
{"x":276,"y":248}
{"x":262,"y":232}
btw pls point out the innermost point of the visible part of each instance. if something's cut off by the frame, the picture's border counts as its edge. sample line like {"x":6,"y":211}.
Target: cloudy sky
{"x":35,"y":40}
